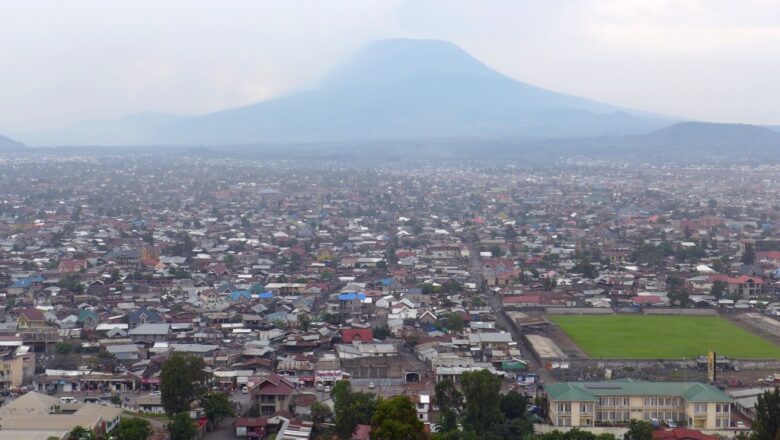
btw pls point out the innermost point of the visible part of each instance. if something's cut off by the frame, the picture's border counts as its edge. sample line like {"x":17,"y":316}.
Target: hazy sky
{"x":64,"y":61}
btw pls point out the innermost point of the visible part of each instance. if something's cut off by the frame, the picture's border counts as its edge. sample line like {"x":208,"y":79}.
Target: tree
{"x":81,"y":433}
{"x":448,"y":421}
{"x":321,"y":416}
{"x":513,"y":405}
{"x":181,"y":382}
{"x":749,"y":255}
{"x":63,"y":348}
{"x":482,"y":400}
{"x":586,"y":268}
{"x":216,"y":406}
{"x":639,"y":430}
{"x":133,"y":428}
{"x":717,"y":289}
{"x":573,"y":434}
{"x":447,"y":397}
{"x":352,"y":408}
{"x":455,"y":322}
{"x":450,"y":402}
{"x":520,"y":427}
{"x":451,"y":286}
{"x":105,"y":361}
{"x":767,"y":423}
{"x":254,"y":411}
{"x":381,"y":333}
{"x":677,"y":291}
{"x":182,"y":427}
{"x":509,"y":233}
{"x":396,"y":419}
{"x":320,"y":413}
{"x":114,"y":275}
{"x":304,"y":321}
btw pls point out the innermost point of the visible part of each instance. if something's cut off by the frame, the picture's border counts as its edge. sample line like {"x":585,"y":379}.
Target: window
{"x":564,"y":407}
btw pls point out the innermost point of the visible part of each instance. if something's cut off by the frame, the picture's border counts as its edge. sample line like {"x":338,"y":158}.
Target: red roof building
{"x":273,"y":394}
{"x":348,"y":335}
{"x":648,"y":300}
{"x":71,"y":265}
{"x":253,"y":427}
{"x":681,"y":434}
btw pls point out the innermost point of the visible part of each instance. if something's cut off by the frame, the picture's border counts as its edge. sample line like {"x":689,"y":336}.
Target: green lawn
{"x":662,"y":337}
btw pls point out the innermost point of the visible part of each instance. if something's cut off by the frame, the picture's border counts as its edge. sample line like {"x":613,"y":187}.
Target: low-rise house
{"x":31,"y":318}
{"x":273,"y":394}
{"x":124,"y":352}
{"x":254,"y":427}
{"x":150,"y":333}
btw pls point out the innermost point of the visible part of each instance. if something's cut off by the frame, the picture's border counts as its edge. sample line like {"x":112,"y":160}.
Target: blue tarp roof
{"x":23,"y":283}
{"x":266,"y":295}
{"x":350,"y":296}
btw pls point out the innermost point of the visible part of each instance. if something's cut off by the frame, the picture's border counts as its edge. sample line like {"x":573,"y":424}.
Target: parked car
{"x":671,"y":423}
{"x":371,"y":385}
{"x":245,"y":390}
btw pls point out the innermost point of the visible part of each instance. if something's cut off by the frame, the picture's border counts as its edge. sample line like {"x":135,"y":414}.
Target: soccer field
{"x":662,"y":337}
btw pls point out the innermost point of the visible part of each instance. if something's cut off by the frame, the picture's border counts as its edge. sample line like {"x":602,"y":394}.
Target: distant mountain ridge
{"x":712,"y":135}
{"x":392,"y":89}
{"x":10,"y":145}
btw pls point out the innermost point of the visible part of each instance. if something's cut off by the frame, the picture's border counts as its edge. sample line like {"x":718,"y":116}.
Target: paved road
{"x":223,"y":431}
{"x":496,"y":307}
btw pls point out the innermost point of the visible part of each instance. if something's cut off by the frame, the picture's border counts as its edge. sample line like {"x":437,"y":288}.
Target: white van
{"x":68,"y":399}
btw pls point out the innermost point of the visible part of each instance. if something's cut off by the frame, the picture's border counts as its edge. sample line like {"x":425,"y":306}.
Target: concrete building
{"x":273,"y":394}
{"x":36,"y":416}
{"x":698,"y":405}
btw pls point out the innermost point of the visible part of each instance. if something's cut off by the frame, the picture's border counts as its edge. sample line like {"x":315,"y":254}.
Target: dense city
{"x":300,"y":299}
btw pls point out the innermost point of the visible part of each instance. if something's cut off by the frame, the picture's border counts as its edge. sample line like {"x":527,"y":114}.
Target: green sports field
{"x":662,"y":337}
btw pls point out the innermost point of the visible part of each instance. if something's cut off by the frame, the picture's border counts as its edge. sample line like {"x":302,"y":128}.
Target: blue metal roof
{"x":238,"y":294}
{"x":350,"y":296}
{"x":23,"y":283}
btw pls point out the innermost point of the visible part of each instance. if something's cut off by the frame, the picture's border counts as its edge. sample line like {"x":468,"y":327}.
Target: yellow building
{"x":14,"y":367}
{"x":697,"y":405}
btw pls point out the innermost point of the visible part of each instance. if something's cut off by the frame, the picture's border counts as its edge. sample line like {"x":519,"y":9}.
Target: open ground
{"x":662,"y":337}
